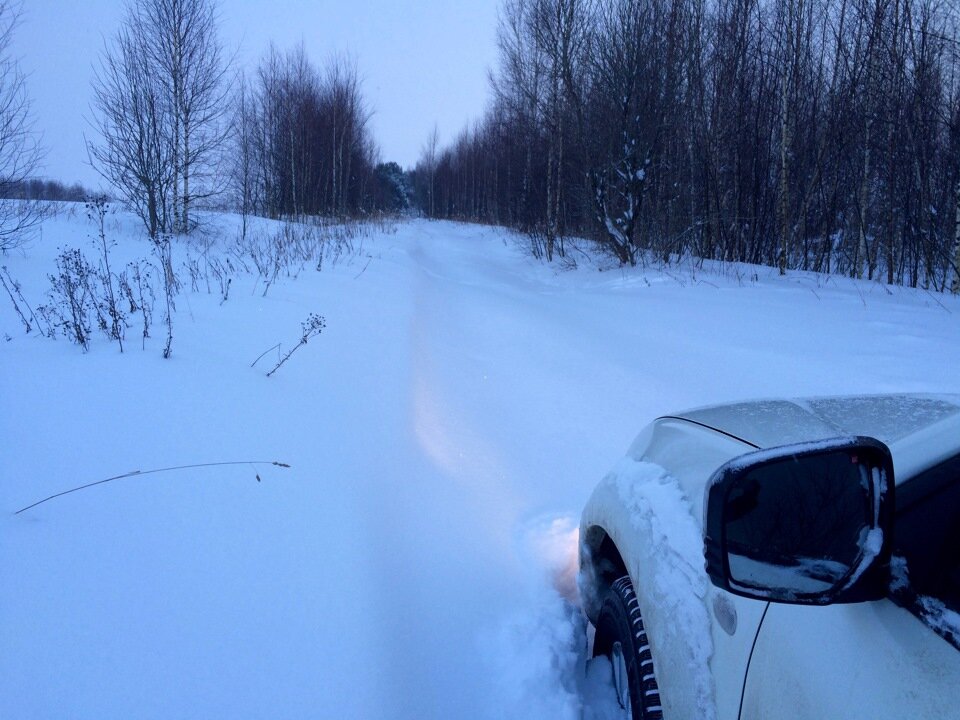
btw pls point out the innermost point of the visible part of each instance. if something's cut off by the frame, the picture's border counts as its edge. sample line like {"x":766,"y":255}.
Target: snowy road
{"x":443,"y":434}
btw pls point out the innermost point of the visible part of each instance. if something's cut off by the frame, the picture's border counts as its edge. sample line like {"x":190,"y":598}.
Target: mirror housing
{"x":807,"y":524}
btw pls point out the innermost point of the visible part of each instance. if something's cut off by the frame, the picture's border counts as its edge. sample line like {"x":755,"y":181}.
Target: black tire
{"x":619,"y":621}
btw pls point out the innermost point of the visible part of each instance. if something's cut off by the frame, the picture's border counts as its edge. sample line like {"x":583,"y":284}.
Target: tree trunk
{"x":955,"y":286}
{"x":784,"y":180}
{"x":862,"y":250}
{"x":185,"y":204}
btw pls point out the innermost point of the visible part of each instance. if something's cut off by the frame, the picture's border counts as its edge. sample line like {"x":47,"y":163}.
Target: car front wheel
{"x":622,"y":638}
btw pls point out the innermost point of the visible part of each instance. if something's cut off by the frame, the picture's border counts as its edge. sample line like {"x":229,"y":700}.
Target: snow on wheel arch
{"x":667,"y":566}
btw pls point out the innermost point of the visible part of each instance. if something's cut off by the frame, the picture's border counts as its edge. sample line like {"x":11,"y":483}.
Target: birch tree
{"x":428,"y":167}
{"x":163,"y":76}
{"x":131,"y":122}
{"x":180,"y":39}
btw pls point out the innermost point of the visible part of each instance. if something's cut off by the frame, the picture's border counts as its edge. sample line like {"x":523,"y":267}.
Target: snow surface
{"x":417,"y":559}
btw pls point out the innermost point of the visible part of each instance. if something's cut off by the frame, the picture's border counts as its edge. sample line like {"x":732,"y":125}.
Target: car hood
{"x":920,"y":429}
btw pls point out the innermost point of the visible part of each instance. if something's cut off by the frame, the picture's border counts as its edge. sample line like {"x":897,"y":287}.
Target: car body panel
{"x":763,"y":423}
{"x":667,"y":443}
{"x":921,"y":431}
{"x":672,"y":602}
{"x":867,"y":660}
{"x":731,"y":651}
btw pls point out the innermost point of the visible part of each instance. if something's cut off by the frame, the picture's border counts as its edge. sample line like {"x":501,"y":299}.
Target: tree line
{"x":811,"y":134}
{"x":42,"y":189}
{"x":178,"y":127}
{"x":302,"y":144}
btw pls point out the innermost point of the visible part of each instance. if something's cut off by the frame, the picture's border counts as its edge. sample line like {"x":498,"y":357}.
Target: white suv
{"x":782,"y":559}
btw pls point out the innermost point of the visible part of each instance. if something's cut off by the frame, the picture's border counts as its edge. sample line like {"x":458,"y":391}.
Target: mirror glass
{"x":795,"y":526}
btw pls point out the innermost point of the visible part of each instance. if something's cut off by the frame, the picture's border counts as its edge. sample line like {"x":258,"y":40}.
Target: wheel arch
{"x":601,"y":563}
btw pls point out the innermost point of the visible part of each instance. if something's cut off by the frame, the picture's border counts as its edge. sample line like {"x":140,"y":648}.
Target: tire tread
{"x":649,"y":691}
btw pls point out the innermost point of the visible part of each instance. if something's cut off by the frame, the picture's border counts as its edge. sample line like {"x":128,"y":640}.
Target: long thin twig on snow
{"x":357,"y":276}
{"x":275,"y":347}
{"x":133,"y":473}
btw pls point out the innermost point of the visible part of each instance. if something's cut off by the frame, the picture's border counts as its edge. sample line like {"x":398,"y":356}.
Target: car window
{"x":926,"y":565}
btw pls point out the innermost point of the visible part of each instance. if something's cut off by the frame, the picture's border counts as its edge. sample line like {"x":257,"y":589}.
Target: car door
{"x":867,"y":660}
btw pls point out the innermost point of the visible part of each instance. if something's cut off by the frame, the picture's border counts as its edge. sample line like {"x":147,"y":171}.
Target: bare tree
{"x":953,"y":139}
{"x":955,"y":283}
{"x":132,"y":152}
{"x":559,"y":34}
{"x":162,"y":102}
{"x":637,"y":72}
{"x":180,"y":37}
{"x":20,"y":151}
{"x":243,"y":170}
{"x":428,"y":166}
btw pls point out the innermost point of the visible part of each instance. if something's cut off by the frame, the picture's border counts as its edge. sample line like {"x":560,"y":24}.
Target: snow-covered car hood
{"x":920,"y":430}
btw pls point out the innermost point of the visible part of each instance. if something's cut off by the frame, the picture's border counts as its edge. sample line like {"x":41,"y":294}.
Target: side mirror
{"x":806,"y":524}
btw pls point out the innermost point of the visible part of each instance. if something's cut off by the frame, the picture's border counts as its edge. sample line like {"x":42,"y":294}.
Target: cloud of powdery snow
{"x":551,"y":545}
{"x":538,"y":655}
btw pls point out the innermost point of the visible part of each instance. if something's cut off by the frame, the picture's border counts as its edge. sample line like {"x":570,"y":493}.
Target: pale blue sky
{"x":422,"y":62}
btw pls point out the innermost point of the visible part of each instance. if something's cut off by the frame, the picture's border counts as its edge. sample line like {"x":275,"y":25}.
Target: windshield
{"x":926,"y":563}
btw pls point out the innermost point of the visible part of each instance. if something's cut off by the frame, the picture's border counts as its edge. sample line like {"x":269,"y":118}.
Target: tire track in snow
{"x":532,"y":642}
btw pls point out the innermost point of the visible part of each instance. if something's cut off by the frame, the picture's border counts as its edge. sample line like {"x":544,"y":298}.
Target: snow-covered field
{"x":417,"y":560}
